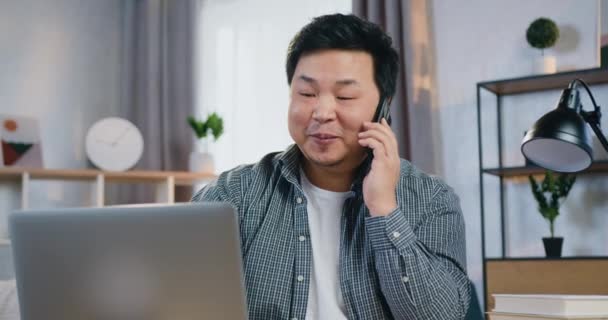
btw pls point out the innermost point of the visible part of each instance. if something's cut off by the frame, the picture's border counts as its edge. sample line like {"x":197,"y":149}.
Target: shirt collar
{"x":289,"y":164}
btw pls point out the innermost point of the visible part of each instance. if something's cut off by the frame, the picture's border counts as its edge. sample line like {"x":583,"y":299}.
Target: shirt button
{"x":300,"y":278}
{"x":396,"y":234}
{"x":299,"y":200}
{"x":405,"y":279}
{"x":301,"y":238}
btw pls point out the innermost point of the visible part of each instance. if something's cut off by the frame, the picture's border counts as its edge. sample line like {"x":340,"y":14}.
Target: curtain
{"x":415,"y":113}
{"x":159,"y":85}
{"x":391,"y":16}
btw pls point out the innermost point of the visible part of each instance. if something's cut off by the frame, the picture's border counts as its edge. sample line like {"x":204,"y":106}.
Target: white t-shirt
{"x":324,"y":212}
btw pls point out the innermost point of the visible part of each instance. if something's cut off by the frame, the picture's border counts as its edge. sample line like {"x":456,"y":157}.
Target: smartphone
{"x":382,"y":111}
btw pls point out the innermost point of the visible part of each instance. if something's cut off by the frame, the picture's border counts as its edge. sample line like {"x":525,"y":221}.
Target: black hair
{"x":348,"y":32}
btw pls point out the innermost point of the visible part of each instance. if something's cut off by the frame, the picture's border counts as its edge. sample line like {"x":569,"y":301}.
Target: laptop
{"x":145,"y":262}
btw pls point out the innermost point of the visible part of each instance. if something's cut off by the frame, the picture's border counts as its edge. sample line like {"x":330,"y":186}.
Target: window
{"x":241,"y":71}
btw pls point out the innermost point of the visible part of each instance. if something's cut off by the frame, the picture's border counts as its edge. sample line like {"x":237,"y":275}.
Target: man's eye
{"x":307,"y":94}
{"x":345,"y":98}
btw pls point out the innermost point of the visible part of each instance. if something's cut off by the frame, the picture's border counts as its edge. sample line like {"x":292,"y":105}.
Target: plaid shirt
{"x":407,"y":265}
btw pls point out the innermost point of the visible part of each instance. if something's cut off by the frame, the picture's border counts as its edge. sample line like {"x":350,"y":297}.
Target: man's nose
{"x":325,"y":110}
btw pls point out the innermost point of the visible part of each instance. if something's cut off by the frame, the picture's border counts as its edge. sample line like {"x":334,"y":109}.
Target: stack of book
{"x":549,"y":306}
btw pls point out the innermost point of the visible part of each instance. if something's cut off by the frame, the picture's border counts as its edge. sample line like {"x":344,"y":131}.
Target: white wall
{"x":481,"y":40}
{"x":60,"y":61}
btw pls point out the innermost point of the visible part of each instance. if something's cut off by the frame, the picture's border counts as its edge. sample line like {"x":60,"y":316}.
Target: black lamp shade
{"x":559,"y":141}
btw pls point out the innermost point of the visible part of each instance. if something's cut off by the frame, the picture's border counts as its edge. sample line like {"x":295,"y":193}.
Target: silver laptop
{"x":130,"y":262}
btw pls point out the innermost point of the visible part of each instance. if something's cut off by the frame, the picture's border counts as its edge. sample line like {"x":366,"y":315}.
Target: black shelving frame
{"x":514,"y":86}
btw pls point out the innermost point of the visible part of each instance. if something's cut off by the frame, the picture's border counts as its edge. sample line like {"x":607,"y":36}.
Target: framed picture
{"x":21,"y":145}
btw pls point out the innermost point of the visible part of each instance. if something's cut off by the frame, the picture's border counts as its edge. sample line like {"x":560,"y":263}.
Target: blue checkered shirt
{"x":407,"y":265}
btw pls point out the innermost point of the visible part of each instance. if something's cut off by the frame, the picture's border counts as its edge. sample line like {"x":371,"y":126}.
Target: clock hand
{"x":120,"y":136}
{"x":103,"y":141}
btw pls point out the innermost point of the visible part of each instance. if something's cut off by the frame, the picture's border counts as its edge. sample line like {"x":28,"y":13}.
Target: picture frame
{"x":21,"y":142}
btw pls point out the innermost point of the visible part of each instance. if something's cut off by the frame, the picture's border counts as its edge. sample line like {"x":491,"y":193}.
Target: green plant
{"x":213,"y":123}
{"x":542,"y":33}
{"x":549,"y":193}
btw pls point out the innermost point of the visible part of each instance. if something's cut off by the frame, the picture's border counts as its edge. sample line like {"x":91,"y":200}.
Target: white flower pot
{"x":544,"y":65}
{"x":201,"y":162}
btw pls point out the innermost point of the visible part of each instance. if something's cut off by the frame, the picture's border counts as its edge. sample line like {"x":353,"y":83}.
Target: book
{"x":521,"y":316}
{"x":552,"y":304}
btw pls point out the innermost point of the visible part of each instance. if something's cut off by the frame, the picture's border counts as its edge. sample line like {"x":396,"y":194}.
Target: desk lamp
{"x":560,"y":141}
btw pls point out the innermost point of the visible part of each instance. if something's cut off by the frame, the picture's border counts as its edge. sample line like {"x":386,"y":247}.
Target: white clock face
{"x":114,"y":144}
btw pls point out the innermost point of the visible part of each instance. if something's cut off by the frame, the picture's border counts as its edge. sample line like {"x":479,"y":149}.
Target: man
{"x":328,"y":232}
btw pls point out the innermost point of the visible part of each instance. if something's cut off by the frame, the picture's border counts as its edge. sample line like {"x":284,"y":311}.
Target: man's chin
{"x":324,"y":160}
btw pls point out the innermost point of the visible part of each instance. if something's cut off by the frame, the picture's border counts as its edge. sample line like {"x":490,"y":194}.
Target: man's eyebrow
{"x":307,"y":79}
{"x":343,"y":82}
{"x":347,"y":82}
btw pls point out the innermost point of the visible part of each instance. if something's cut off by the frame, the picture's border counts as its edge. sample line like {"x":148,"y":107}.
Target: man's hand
{"x":380,"y":183}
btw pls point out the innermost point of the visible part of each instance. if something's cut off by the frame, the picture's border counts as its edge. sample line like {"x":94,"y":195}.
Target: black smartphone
{"x":382,"y":111}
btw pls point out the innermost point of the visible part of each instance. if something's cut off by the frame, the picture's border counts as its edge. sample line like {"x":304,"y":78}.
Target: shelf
{"x":545,"y":82}
{"x":140,"y":176}
{"x":520,"y":274}
{"x":513,"y":172}
{"x":164,"y":181}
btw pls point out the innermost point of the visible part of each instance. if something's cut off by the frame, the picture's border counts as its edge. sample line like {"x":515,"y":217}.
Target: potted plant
{"x":549,"y":195}
{"x":214,"y":125}
{"x":542,"y":34}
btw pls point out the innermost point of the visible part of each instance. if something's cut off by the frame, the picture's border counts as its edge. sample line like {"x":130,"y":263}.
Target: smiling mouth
{"x":323,"y":139}
{"x":323,"y":136}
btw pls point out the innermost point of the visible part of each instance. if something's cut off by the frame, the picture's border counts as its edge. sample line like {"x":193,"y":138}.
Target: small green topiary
{"x":549,"y":193}
{"x":542,"y":33}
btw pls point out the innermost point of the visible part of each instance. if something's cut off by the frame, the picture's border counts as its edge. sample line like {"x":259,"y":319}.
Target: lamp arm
{"x":591,"y":117}
{"x":577,"y":81}
{"x":593,"y":123}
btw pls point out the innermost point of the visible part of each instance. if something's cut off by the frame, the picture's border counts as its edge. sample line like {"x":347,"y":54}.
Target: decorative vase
{"x":544,"y":65}
{"x":201,"y":162}
{"x":553,"y":246}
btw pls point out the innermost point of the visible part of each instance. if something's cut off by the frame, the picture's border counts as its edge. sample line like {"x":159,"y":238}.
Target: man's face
{"x":332,"y":93}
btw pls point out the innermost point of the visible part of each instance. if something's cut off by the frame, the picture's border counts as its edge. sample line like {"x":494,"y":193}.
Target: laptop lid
{"x":130,"y":262}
